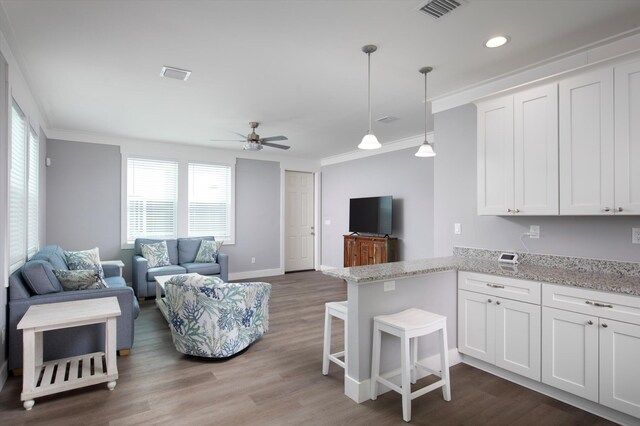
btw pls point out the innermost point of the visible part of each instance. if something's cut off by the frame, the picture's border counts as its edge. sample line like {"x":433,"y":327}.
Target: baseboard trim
{"x":360,"y":391}
{"x":4,"y":374}
{"x":235,"y":276}
{"x":576,"y":401}
{"x":325,"y":267}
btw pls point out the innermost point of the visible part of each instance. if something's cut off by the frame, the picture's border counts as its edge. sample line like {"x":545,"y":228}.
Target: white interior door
{"x":299,"y":228}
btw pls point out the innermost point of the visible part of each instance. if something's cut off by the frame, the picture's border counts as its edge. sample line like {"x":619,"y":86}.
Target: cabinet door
{"x":518,"y":337}
{"x":495,"y":157}
{"x":366,"y":250}
{"x":570,"y":352}
{"x":379,"y":251}
{"x":536,"y":151}
{"x":627,"y":140}
{"x":586,"y":144}
{"x":476,"y":325}
{"x":619,"y":372}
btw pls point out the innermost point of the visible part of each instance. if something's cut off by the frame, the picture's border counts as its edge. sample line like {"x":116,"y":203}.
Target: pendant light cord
{"x":425,"y":107}
{"x":369,"y":86}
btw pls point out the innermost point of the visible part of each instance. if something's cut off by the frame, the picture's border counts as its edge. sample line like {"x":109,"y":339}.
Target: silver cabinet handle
{"x":489,"y":300}
{"x":598,"y":304}
{"x":497,"y":302}
{"x":606,"y":209}
{"x":508,"y":210}
{"x":494,"y":285}
{"x":620,"y":209}
{"x":590,"y":322}
{"x":517,"y":210}
{"x":605,"y":325}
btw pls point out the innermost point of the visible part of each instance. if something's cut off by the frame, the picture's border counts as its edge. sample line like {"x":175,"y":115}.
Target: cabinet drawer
{"x":509,"y":288}
{"x":591,"y":302}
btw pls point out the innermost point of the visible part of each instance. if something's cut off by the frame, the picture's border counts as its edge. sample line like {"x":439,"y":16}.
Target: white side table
{"x":118,"y":263}
{"x":84,"y":370}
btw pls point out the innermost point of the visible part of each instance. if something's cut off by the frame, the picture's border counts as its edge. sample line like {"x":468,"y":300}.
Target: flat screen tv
{"x":371,"y":215}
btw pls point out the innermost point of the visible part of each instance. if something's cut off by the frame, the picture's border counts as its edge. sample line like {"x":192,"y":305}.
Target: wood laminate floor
{"x":276,"y":381}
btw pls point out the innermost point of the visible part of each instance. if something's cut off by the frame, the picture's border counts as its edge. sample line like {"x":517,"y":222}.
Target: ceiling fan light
{"x":252,"y":146}
{"x":425,"y":150}
{"x":369,"y":142}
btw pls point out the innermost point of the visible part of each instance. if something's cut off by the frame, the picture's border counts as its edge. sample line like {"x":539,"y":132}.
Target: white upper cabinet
{"x":495,"y":157}
{"x":518,"y":153}
{"x":627,"y":138}
{"x":536,"y":151}
{"x":586,"y":144}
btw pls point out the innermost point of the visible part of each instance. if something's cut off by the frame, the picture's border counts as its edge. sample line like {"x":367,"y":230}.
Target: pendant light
{"x":369,"y":141}
{"x":425,"y":150}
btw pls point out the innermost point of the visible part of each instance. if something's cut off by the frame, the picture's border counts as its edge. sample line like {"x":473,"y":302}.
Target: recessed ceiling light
{"x":497,"y":41}
{"x":177,"y":73}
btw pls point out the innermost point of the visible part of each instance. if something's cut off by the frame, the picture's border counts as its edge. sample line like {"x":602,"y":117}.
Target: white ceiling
{"x":296,"y":66}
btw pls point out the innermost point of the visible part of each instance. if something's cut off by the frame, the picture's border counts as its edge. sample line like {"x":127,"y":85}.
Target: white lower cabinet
{"x":498,"y":330}
{"x":586,"y":351}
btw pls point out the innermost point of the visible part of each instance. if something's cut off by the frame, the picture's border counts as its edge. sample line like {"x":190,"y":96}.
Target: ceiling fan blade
{"x":227,"y":140}
{"x":240,"y":134}
{"x":275,"y":145}
{"x":275,"y":138}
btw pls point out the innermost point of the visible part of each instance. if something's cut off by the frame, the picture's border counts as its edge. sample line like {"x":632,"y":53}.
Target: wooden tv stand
{"x":362,"y":250}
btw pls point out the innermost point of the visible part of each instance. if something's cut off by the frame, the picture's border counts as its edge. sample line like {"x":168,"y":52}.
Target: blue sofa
{"x":34,"y":284}
{"x":182,"y":253}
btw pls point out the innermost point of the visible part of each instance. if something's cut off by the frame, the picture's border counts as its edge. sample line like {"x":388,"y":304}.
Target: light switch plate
{"x":457,"y":228}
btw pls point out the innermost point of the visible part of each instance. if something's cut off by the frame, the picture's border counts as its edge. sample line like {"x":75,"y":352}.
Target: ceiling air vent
{"x":177,"y":73}
{"x":387,"y":119}
{"x":439,"y":8}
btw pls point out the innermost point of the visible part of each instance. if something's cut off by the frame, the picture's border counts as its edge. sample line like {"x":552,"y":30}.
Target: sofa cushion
{"x":156,"y":254}
{"x":39,"y":277}
{"x":54,"y":255}
{"x":164,"y":270}
{"x":85,"y":260}
{"x":202,"y":268}
{"x":188,"y":248}
{"x":80,"y":279}
{"x":172,"y":247}
{"x":208,"y":251}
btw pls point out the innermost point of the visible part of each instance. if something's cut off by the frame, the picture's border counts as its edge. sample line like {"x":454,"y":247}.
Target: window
{"x":17,"y":189}
{"x":210,"y":211}
{"x":33,"y":239}
{"x":152,"y":198}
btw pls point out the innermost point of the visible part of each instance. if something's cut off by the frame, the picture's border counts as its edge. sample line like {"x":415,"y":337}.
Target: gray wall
{"x":455,"y":201}
{"x":407,"y":178}
{"x":257,"y":216}
{"x":83,"y":197}
{"x":83,"y":206}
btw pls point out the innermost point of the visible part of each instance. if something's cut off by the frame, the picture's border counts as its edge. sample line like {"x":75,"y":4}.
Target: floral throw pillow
{"x":208,"y":251}
{"x":84,"y":260}
{"x":80,"y":279}
{"x":157,"y":254}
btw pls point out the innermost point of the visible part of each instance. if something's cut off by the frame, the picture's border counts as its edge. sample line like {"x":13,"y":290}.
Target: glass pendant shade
{"x":425,"y":150}
{"x":370,"y":142}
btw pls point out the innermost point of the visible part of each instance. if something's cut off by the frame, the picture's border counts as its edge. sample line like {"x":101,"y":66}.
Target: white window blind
{"x":210,"y":201}
{"x":152,"y":198}
{"x":33,"y":239}
{"x":17,"y":189}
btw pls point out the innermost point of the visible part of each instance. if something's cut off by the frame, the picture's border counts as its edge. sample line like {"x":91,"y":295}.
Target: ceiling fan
{"x":253,"y":141}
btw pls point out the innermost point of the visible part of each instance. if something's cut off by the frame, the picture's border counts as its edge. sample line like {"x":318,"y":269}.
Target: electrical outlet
{"x":534,"y":231}
{"x":635,"y":235}
{"x":327,"y":221}
{"x":253,"y":260}
{"x":457,"y":229}
{"x":389,"y":285}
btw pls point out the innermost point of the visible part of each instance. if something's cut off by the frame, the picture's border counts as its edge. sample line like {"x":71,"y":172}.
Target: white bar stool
{"x":408,"y":325}
{"x":338,"y":310}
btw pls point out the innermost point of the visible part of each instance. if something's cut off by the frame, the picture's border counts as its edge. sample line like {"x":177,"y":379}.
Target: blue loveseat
{"x":34,"y":284}
{"x":182,"y":253}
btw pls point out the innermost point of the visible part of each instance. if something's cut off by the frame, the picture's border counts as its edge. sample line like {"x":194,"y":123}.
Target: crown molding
{"x":397,"y":145}
{"x":626,"y":44}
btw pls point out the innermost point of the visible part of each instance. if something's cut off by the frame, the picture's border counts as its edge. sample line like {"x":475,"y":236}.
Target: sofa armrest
{"x":139,"y":278}
{"x":111,"y":270}
{"x":223,"y":261}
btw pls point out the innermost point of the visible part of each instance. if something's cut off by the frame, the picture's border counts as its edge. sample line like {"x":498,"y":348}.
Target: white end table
{"x":118,"y":263}
{"x":46,"y":378}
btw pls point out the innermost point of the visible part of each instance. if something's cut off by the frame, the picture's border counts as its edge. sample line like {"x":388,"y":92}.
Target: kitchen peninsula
{"x":598,"y":291}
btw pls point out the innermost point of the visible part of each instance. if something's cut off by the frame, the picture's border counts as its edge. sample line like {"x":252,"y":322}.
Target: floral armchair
{"x":213,"y":319}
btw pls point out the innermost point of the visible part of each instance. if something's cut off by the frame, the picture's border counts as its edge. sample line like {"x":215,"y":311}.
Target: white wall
{"x":455,"y":201}
{"x":407,"y":178}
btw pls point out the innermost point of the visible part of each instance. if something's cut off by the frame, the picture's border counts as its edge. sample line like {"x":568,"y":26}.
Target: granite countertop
{"x":612,"y":280}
